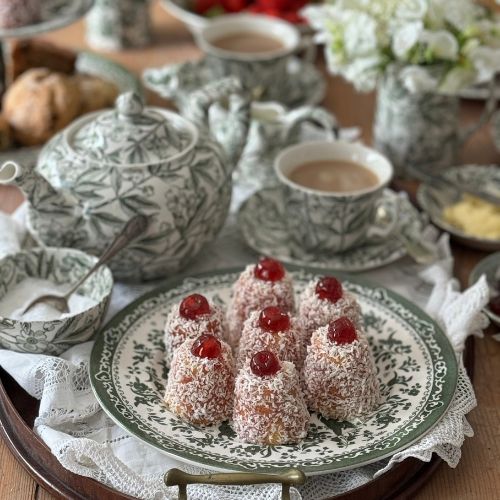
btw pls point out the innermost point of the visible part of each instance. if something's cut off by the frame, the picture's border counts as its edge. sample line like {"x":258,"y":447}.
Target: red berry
{"x":329,"y":288}
{"x":193,"y":306}
{"x":292,"y":17}
{"x":206,"y":346}
{"x":278,"y":5}
{"x":202,"y":6}
{"x":268,"y":11}
{"x":274,"y":319}
{"x":269,"y":270}
{"x":342,"y":331}
{"x":494,"y":305}
{"x":264,"y":363}
{"x":234,"y":5}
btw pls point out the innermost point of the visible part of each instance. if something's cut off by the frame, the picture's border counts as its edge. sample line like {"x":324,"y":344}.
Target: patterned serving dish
{"x":433,"y":201}
{"x":60,"y":266}
{"x":54,"y":14}
{"x":416,"y":366}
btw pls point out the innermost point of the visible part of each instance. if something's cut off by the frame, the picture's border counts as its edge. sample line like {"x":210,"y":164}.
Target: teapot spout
{"x":40,"y":193}
{"x":9,"y":172}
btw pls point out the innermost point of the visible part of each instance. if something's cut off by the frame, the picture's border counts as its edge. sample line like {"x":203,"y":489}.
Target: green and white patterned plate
{"x":415,"y":362}
{"x":263,"y":224}
{"x":54,"y":14}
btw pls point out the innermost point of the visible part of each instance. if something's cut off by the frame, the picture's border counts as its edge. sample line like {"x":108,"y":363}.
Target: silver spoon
{"x":418,"y":250}
{"x":134,"y":227}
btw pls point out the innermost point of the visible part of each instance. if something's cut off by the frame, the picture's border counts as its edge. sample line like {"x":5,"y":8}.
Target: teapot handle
{"x":316,"y":115}
{"x":228,"y":91}
{"x":489,"y":109}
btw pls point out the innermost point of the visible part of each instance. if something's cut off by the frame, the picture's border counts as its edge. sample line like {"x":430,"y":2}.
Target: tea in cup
{"x":254,"y":48}
{"x":331,"y":191}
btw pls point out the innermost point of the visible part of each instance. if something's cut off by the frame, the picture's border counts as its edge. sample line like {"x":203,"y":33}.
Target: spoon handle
{"x":134,"y":227}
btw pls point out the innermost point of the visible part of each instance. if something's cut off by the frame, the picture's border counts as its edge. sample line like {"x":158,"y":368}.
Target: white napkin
{"x":87,"y":442}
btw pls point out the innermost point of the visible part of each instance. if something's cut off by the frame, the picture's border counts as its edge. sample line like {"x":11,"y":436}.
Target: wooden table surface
{"x":478,"y":473}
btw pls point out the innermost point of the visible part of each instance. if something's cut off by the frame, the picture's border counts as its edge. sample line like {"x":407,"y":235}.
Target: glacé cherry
{"x":264,"y":363}
{"x":206,"y":346}
{"x":268,"y":269}
{"x":329,"y":288}
{"x":341,"y":331}
{"x":273,"y":319}
{"x":193,"y":306}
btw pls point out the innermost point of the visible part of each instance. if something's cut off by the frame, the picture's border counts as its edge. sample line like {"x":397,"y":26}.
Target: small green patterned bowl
{"x":60,"y":266}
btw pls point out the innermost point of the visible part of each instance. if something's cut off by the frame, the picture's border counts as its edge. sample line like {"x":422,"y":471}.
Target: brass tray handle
{"x":290,"y":477}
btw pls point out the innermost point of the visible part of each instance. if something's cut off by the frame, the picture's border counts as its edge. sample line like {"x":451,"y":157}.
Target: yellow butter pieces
{"x":474,"y":217}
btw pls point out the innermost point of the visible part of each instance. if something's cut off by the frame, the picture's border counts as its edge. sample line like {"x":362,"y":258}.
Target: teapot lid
{"x":131,"y":134}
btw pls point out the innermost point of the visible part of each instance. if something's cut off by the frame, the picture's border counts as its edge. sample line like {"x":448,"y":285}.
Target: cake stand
{"x":55,"y":14}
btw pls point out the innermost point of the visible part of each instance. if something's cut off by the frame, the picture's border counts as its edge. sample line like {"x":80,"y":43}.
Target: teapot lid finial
{"x":129,"y":104}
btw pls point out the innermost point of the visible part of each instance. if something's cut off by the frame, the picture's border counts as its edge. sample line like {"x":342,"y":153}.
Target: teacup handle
{"x":488,"y":110}
{"x":316,"y":115}
{"x":385,"y":220}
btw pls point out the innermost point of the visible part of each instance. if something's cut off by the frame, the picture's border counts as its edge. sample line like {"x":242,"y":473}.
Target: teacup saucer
{"x":305,"y":84}
{"x":262,"y":222}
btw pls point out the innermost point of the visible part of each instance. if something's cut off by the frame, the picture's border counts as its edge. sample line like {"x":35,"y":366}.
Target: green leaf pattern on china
{"x":58,"y":267}
{"x":416,"y":372}
{"x":265,"y":228}
{"x":119,"y":25}
{"x":415,"y":129}
{"x":186,"y":199}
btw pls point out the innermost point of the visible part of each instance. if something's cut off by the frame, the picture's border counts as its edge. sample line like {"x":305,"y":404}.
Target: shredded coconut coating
{"x":201,"y":390}
{"x":251,"y":294}
{"x":340,"y":380}
{"x":270,"y":410}
{"x":315,"y":312}
{"x":178,"y":329}
{"x":286,"y":345}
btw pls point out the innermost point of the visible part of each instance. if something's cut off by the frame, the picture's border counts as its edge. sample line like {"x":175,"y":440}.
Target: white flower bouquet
{"x":436,"y":45}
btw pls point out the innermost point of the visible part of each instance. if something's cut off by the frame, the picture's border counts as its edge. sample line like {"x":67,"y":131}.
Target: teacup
{"x":327,"y":221}
{"x":272,"y":128}
{"x":263,"y":73}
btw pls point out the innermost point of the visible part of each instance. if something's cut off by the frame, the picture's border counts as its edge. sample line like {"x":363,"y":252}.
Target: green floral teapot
{"x":104,"y":168}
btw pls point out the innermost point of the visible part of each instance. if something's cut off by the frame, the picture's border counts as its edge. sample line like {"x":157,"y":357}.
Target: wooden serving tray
{"x":18,"y":411}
